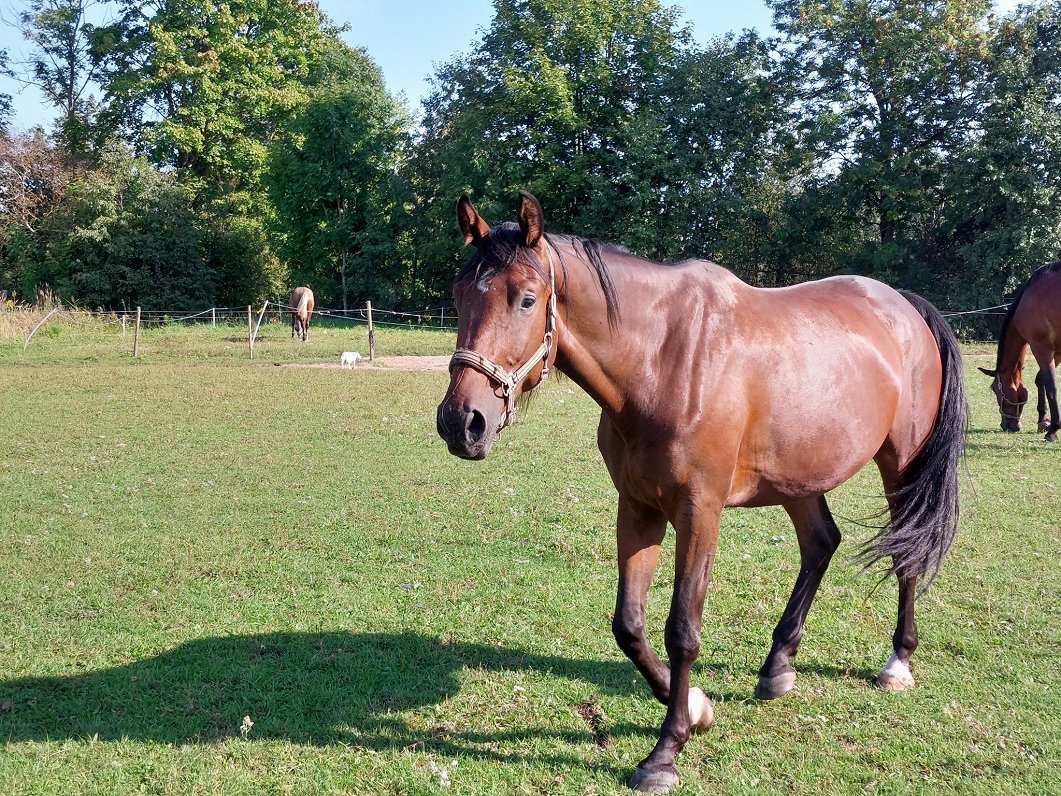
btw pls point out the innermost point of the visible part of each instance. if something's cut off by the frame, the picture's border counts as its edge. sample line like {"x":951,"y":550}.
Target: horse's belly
{"x":803,"y":457}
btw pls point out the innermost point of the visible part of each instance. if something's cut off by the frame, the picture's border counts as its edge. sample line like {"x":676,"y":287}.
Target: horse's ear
{"x":992,"y":373}
{"x":473,"y":226}
{"x":531,"y":219}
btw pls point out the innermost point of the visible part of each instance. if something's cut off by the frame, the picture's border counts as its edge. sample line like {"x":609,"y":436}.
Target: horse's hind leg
{"x":1040,"y":404}
{"x":1044,"y":355}
{"x":818,"y":539}
{"x":896,"y":675}
{"x":640,"y":531}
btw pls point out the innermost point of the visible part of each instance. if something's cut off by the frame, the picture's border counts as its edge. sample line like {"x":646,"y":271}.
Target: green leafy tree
{"x":205,"y":86}
{"x":123,"y":235}
{"x":332,"y":181}
{"x":64,"y":65}
{"x":562,"y":97}
{"x":1002,"y":217}
{"x":723,"y":161}
{"x":889,"y":95}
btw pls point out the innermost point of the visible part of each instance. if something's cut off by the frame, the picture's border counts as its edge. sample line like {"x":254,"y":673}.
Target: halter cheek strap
{"x":510,"y":381}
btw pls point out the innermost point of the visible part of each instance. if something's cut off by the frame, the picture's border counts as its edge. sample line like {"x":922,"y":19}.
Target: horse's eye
{"x":527,"y":303}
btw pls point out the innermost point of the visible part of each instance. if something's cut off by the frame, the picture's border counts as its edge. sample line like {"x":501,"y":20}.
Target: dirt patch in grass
{"x":387,"y":363}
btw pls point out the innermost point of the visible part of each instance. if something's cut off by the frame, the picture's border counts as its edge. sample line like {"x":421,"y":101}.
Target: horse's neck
{"x":613,"y":364}
{"x":1012,"y":349}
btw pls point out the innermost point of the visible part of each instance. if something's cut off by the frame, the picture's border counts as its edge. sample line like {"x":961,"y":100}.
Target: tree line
{"x":219,"y":151}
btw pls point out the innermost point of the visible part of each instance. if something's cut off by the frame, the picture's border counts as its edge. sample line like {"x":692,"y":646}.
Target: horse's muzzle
{"x":465,"y":431}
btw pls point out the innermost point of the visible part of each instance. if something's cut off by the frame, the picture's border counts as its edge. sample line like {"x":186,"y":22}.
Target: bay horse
{"x":714,"y":393}
{"x":1033,"y":321}
{"x":301,"y":305}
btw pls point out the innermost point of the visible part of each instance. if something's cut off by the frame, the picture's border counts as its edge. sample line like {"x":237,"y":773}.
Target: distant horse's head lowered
{"x":506,"y":304}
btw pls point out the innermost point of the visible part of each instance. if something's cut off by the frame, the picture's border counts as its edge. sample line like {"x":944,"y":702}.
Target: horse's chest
{"x":649,"y":473}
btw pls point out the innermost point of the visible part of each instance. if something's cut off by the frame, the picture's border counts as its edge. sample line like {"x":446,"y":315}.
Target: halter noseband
{"x":1018,"y":404}
{"x":1003,"y":401}
{"x":509,"y":381}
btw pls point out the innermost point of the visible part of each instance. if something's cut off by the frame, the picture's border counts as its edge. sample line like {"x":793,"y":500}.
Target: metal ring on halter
{"x":510,"y":381}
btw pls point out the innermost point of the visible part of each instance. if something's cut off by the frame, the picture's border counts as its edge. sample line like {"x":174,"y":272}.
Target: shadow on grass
{"x":1028,"y":441}
{"x":310,"y":689}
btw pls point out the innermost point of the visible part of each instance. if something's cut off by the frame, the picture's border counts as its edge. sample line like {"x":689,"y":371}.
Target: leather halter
{"x":510,"y":381}
{"x":1018,"y":404}
{"x":1003,"y":401}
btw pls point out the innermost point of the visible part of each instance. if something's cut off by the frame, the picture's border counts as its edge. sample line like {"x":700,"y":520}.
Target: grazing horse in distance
{"x":713,"y":394}
{"x":1032,"y":321}
{"x":301,"y":305}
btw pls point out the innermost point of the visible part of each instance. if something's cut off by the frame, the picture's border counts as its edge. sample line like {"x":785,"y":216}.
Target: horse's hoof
{"x":773,"y":687}
{"x":895,"y":676}
{"x":701,"y":711}
{"x":1051,"y":437}
{"x":1042,"y":427}
{"x":653,"y":781}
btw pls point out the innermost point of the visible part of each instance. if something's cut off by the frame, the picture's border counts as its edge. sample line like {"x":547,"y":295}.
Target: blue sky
{"x":407,"y":38}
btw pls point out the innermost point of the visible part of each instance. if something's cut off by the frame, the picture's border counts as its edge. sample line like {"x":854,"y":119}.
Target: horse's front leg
{"x":696,"y":532}
{"x":639,"y":533}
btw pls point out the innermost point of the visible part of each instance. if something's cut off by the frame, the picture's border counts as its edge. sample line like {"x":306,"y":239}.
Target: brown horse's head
{"x":1011,"y":395}
{"x":505,"y":296}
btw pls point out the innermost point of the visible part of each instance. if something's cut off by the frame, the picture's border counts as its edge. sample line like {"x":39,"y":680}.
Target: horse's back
{"x":1037,"y":317}
{"x":301,"y":299}
{"x":828,"y":373}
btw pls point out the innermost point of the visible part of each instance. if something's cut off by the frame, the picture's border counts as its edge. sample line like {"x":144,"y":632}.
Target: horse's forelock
{"x":503,"y":247}
{"x":498,"y":252}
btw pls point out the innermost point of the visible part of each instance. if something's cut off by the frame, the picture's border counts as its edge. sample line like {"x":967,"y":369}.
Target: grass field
{"x":223,"y":577}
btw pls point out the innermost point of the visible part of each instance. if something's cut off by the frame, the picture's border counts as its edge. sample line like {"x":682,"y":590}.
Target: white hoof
{"x":895,"y":676}
{"x":701,"y":711}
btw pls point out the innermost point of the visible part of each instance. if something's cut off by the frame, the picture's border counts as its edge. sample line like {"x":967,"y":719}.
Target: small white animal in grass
{"x":349,"y":359}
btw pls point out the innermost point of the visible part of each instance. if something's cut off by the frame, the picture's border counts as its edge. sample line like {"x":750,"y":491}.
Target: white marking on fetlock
{"x":701,"y":711}
{"x":895,"y":676}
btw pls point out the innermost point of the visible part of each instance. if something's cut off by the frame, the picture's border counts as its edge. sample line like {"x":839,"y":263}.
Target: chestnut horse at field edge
{"x":1032,"y":321}
{"x":713,"y":394}
{"x":301,"y":306}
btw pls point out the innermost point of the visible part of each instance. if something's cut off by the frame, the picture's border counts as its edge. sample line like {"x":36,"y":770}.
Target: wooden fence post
{"x":124,"y":318}
{"x":213,"y":317}
{"x":250,"y":331}
{"x":136,"y":335}
{"x":371,"y":334}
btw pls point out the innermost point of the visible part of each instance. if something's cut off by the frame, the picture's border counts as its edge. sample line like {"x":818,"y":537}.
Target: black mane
{"x":1014,"y":302}
{"x":503,"y":247}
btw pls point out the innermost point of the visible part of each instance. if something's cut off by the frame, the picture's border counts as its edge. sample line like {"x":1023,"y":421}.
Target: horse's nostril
{"x":475,"y":425}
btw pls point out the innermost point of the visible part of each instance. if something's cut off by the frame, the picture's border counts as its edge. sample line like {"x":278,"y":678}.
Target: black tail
{"x":925,"y":505}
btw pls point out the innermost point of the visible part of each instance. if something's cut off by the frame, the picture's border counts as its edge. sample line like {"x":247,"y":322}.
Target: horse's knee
{"x":682,"y":639}
{"x":629,"y":632}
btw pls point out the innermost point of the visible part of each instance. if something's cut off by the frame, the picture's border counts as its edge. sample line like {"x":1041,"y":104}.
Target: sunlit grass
{"x":186,"y":543}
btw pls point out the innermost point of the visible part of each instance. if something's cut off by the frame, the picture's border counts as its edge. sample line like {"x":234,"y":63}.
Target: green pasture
{"x":218,"y":576}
